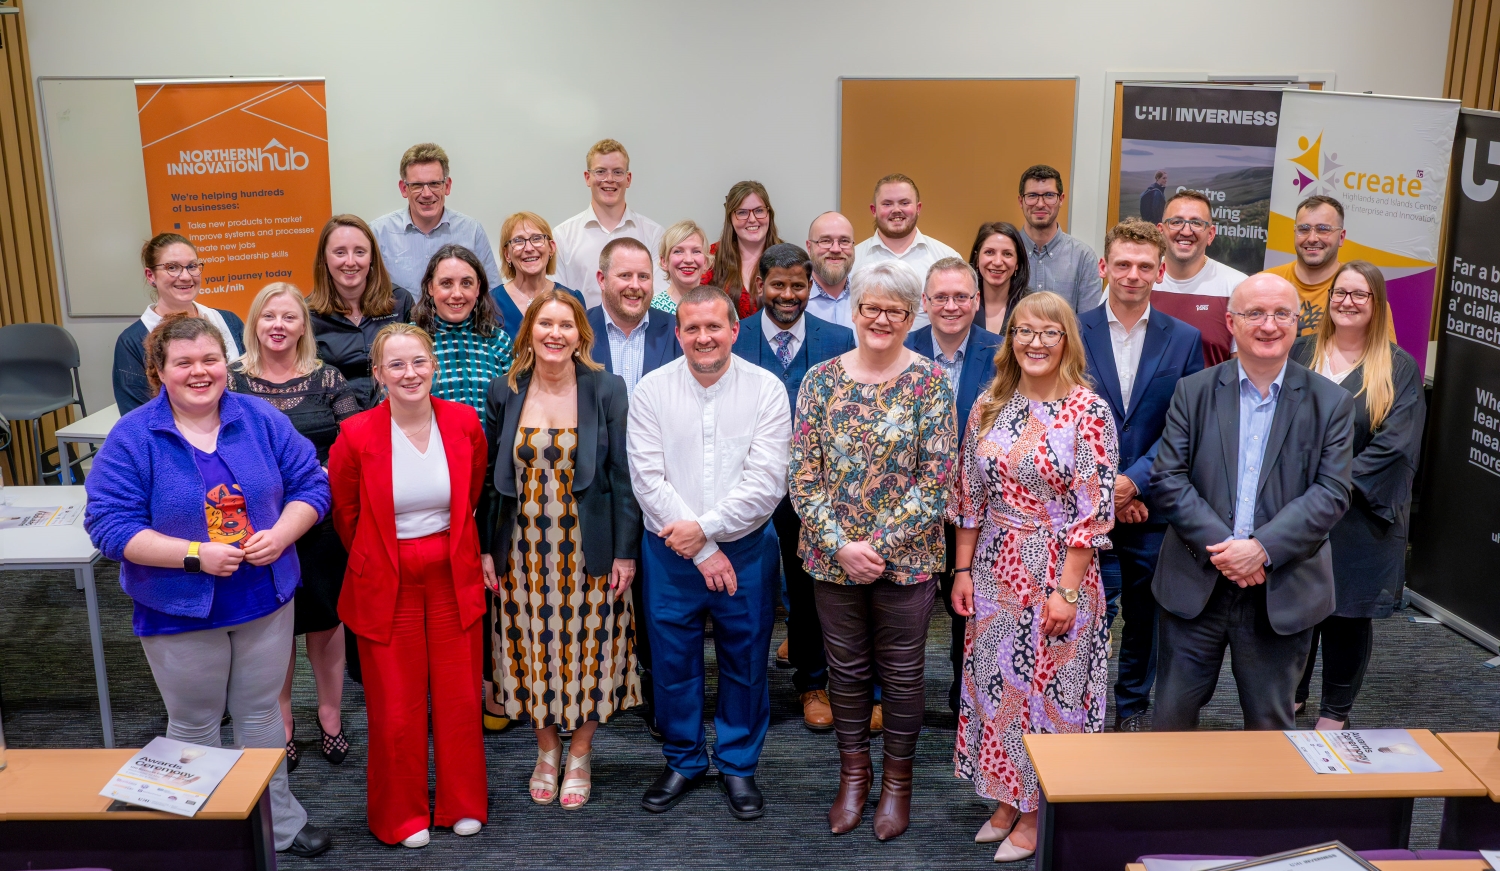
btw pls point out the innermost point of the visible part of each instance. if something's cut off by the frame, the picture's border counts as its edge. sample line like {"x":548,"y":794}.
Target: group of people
{"x":520,"y":501}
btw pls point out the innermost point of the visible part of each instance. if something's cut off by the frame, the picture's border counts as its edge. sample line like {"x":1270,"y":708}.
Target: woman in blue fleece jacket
{"x":200,"y":495}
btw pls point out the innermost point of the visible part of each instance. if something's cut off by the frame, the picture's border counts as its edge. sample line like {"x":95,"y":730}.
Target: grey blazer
{"x":1304,"y":489}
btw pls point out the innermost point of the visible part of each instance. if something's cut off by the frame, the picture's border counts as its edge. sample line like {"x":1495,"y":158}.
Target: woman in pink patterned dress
{"x":1034,"y":499}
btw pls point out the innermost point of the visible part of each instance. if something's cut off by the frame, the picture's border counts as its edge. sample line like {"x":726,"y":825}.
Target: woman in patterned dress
{"x":563,"y":531}
{"x":1033,"y":501}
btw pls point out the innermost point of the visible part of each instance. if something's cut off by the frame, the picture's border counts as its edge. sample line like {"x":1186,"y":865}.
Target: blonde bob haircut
{"x":1072,"y":371}
{"x":307,"y":347}
{"x":509,"y":228}
{"x":389,"y":331}
{"x":677,"y":234}
{"x":525,"y":353}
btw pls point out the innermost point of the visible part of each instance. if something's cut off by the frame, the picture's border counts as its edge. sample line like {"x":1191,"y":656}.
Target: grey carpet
{"x":1422,"y":676}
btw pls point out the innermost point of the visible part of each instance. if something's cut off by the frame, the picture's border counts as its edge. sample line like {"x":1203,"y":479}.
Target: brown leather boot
{"x":893,"y":812}
{"x":855,"y":777}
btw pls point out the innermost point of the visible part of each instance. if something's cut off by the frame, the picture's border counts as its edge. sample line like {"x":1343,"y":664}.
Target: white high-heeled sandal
{"x":581,"y":786}
{"x":988,"y":834}
{"x":1009,"y":852}
{"x":545,"y":782}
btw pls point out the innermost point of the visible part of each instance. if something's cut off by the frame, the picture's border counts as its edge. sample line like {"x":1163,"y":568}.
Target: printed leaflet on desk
{"x":172,"y":776}
{"x":1363,"y":751}
{"x":30,"y":516}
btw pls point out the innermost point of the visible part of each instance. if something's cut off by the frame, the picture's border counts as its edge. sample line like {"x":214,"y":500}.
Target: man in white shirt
{"x":1195,"y":289}
{"x":408,"y":237}
{"x":709,"y":439}
{"x":830,"y":243}
{"x":896,"y":206}
{"x":580,"y":238}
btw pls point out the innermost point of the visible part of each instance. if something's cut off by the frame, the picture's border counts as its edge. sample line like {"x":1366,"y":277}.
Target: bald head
{"x":1273,"y":301}
{"x":830,"y":242}
{"x":1260,"y":284}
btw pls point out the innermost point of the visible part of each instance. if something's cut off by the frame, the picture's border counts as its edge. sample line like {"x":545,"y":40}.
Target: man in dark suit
{"x":786,"y":341}
{"x":1136,"y":356}
{"x":1252,"y":471}
{"x":950,"y":298}
{"x":631,"y":339}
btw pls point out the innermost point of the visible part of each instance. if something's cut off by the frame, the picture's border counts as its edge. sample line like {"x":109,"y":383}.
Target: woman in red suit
{"x":406,"y":477}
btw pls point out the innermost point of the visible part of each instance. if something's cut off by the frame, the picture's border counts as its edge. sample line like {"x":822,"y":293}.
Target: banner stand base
{"x":1453,"y":621}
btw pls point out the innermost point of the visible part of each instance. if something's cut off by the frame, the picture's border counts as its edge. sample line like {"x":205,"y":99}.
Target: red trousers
{"x":430,"y":652}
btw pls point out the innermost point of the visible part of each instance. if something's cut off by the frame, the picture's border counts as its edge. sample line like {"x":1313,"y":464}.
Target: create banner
{"x":1385,"y":159}
{"x":1455,"y":555}
{"x":1219,"y":141}
{"x":241,"y":169}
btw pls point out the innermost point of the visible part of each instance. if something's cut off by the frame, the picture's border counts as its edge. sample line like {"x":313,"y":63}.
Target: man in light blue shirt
{"x":830,"y":244}
{"x":408,"y":237}
{"x":1256,"y":413}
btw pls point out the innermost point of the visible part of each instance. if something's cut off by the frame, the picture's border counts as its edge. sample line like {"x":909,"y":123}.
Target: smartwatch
{"x":190,"y":563}
{"x":1069,"y":596}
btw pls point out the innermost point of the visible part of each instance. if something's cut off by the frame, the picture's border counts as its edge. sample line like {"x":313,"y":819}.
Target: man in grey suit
{"x":1252,"y":471}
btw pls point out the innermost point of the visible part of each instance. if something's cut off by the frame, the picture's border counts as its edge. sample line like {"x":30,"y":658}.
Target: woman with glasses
{"x":458,"y":311}
{"x":527,"y":256}
{"x":749,"y":229}
{"x":1352,"y":348}
{"x":873,"y":446}
{"x":683,"y":260}
{"x":175,"y":275}
{"x":1034,"y":499}
{"x":999,"y":257}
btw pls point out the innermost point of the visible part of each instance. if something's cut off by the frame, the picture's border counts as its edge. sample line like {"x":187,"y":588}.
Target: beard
{"x":709,"y":367}
{"x":832,"y":278}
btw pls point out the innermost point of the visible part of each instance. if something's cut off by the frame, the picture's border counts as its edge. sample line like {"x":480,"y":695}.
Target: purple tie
{"x":783,"y":342}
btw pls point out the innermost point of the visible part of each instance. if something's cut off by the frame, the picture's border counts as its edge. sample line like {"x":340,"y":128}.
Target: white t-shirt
{"x":419,"y":484}
{"x":1201,"y":301}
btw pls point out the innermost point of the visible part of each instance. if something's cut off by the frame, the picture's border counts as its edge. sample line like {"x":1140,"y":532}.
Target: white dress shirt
{"x":770,"y":329}
{"x":1127,"y":346}
{"x":919,"y":255}
{"x":420,"y":490}
{"x":727,"y":472}
{"x":580,"y":239}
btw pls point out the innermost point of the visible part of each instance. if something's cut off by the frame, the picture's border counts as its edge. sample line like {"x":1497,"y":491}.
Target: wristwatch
{"x":190,"y":563}
{"x":1069,"y":596}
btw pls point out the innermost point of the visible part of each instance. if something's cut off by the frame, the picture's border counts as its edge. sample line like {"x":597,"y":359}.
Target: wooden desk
{"x":1474,"y":823}
{"x":51,"y":815}
{"x":1401,"y":865}
{"x":1110,"y":798}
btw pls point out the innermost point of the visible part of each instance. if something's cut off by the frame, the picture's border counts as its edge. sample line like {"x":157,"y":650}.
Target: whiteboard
{"x":98,"y":184}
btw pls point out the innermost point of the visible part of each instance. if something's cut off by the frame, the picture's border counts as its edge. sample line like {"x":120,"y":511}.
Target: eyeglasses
{"x":398,"y":367}
{"x":1318,"y":229}
{"x":1026,"y":335}
{"x":175,"y":269}
{"x":942,"y":300}
{"x":873,"y":312}
{"x":434,"y":186}
{"x":1360,"y":297}
{"x":536,"y":240}
{"x":1282,"y":317}
{"x":1198,"y":224}
{"x":758,"y":213}
{"x":601,"y":173}
{"x":828,"y":243}
{"x":1049,"y":198}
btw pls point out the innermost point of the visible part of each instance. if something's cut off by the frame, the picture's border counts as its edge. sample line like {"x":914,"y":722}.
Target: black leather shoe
{"x":311,"y":841}
{"x":654,"y":731}
{"x":745,"y":800}
{"x":668,"y":790}
{"x":1133,"y":723}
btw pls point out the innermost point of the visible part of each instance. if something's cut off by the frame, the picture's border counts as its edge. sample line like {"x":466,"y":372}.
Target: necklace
{"x":419,"y":430}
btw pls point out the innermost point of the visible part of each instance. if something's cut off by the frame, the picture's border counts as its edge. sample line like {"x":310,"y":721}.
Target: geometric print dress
{"x":564,"y":645}
{"x":1039,"y":481}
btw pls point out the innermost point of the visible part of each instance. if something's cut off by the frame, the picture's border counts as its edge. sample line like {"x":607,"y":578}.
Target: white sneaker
{"x":420,"y":839}
{"x":466,"y":826}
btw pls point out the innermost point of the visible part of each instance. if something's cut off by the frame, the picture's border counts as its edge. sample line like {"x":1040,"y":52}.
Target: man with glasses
{"x":1136,"y":355}
{"x":1060,"y":263}
{"x":1196,"y":289}
{"x":409,"y":237}
{"x":1252,"y":471}
{"x":1317,"y":235}
{"x":896,"y":206}
{"x":581,"y":237}
{"x":830,"y":242}
{"x":966,"y":353}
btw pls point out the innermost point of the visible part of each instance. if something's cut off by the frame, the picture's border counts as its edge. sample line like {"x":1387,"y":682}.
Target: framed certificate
{"x":1332,"y":856}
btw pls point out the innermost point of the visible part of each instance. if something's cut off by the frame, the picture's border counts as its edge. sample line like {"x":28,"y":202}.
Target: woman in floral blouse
{"x":1033,"y":501}
{"x":873,"y":446}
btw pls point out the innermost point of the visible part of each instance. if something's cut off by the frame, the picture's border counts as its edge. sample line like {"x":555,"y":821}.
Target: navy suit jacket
{"x":822,"y":342}
{"x":661,"y":340}
{"x":1172,"y":350}
{"x":977,"y":372}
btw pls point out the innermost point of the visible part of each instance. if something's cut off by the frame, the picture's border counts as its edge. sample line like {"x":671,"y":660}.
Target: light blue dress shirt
{"x":824,"y":307}
{"x":952,"y":368}
{"x":405,"y":250}
{"x":1256,"y":414}
{"x":627,"y":353}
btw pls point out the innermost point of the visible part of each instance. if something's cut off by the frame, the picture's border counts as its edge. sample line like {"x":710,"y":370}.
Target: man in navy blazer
{"x":786,"y":341}
{"x":950,"y":298}
{"x":1136,"y":356}
{"x":631,"y":339}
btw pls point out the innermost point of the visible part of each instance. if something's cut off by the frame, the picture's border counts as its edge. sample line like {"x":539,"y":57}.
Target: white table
{"x":56,"y":548}
{"x":92,"y":430}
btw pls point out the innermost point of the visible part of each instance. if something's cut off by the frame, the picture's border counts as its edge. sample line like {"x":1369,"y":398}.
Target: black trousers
{"x":1347,"y":644}
{"x":643,"y":646}
{"x":960,"y":622}
{"x":1126,"y":572}
{"x":1266,"y":665}
{"x":804,"y":632}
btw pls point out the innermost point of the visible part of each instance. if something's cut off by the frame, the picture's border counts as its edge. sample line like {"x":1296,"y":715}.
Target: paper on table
{"x":31,"y":516}
{"x":1492,"y":857}
{"x":1330,"y":859}
{"x":1363,"y":751}
{"x":171,"y":775}
{"x":1187,"y":864}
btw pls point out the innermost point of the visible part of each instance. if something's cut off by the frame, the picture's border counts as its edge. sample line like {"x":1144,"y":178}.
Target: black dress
{"x":345,"y":345}
{"x":316,"y":403}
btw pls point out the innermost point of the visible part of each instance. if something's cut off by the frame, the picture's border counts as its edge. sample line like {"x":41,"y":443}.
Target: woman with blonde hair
{"x":749,"y":229}
{"x":1033,"y":502}
{"x":1352,"y":348}
{"x":281,"y":366}
{"x":528,"y":255}
{"x":684,"y":261}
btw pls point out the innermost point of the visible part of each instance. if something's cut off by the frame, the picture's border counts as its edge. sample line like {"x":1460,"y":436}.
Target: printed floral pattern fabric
{"x":873,"y":462}
{"x":1040,"y":481}
{"x":564,"y":645}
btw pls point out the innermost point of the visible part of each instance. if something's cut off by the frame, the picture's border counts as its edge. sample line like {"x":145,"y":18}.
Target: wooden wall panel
{"x":1473,"y":70}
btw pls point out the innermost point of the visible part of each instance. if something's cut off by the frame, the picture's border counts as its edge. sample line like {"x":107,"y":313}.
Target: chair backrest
{"x":38,"y":359}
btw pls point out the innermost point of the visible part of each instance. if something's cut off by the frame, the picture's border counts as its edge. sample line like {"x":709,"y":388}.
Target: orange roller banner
{"x":241,"y":169}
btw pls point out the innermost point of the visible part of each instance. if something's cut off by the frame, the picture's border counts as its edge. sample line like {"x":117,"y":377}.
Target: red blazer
{"x":364,"y":513}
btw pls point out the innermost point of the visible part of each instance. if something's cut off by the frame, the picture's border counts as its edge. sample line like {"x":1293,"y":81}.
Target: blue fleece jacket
{"x":145,"y":477}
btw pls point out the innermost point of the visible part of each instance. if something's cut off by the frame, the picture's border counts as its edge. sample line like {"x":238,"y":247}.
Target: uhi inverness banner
{"x":1385,"y":159}
{"x":241,"y":169}
{"x":1455,"y":538}
{"x":1217,"y":140}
